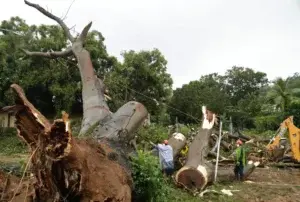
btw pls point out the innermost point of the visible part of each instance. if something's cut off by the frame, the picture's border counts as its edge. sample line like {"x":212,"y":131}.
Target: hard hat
{"x":166,"y":142}
{"x":239,"y":142}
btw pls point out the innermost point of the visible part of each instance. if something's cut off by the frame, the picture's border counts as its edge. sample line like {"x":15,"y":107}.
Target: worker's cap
{"x":166,"y":141}
{"x":239,"y":142}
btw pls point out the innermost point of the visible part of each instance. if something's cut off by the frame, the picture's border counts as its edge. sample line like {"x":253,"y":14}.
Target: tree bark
{"x":94,"y":105}
{"x":177,"y":141}
{"x":69,"y":169}
{"x":197,"y":173}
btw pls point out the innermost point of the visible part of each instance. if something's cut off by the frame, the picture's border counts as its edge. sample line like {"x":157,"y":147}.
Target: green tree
{"x":244,"y":81}
{"x":56,"y":81}
{"x":209,"y":90}
{"x":142,"y":77}
{"x":282,"y":93}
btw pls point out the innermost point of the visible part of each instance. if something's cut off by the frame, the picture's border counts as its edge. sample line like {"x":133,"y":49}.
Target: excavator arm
{"x":293,"y":136}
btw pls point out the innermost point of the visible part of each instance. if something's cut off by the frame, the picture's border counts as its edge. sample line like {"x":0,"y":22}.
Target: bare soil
{"x":263,"y":185}
{"x":269,"y":185}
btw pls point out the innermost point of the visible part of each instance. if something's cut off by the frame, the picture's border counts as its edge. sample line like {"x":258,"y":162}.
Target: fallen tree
{"x":198,"y":171}
{"x":69,"y":169}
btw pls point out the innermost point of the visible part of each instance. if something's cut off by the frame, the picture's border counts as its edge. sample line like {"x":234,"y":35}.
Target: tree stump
{"x":197,"y":173}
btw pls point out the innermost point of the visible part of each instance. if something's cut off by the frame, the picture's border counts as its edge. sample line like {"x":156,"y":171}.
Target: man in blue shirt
{"x":165,"y":153}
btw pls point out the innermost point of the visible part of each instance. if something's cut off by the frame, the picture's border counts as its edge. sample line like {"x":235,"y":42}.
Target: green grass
{"x":256,"y":133}
{"x":11,"y":144}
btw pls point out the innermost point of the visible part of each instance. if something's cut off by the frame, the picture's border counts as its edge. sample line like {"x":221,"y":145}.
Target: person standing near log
{"x":240,"y":160}
{"x":165,"y":153}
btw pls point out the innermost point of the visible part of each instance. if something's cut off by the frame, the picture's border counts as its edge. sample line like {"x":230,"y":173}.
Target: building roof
{"x":9,"y":109}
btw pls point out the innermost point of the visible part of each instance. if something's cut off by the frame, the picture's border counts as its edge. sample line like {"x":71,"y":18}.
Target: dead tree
{"x":198,"y":171}
{"x":69,"y":169}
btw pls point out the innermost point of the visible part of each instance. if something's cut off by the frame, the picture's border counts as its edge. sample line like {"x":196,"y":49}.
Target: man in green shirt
{"x":240,"y":160}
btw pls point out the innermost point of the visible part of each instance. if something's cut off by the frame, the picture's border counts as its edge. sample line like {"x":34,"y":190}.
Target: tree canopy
{"x":242,"y":93}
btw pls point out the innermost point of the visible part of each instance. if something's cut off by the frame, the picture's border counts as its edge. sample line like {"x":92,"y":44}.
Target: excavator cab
{"x":279,"y":146}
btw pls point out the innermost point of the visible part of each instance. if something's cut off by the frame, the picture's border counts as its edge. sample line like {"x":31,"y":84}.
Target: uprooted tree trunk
{"x":69,"y":169}
{"x":198,"y":171}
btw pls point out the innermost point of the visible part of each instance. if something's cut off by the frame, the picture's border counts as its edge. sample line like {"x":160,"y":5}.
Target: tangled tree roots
{"x":64,"y":168}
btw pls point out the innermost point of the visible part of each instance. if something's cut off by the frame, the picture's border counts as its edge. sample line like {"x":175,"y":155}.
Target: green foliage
{"x":209,"y":91}
{"x":148,"y":179}
{"x":10,"y":143}
{"x":142,"y":77}
{"x":243,"y":81}
{"x":154,"y":133}
{"x":284,"y":92}
{"x":294,"y":110}
{"x":151,"y":186}
{"x":265,"y":123}
{"x":264,"y":134}
{"x":57,"y":81}
{"x":184,"y":130}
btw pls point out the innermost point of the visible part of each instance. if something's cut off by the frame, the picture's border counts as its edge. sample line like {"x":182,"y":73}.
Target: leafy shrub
{"x":184,"y":130}
{"x":263,"y":134}
{"x":7,"y":132}
{"x":155,"y":133}
{"x":10,"y":143}
{"x":148,"y":179}
{"x":294,"y":110}
{"x":270,"y":122}
{"x":150,"y":185}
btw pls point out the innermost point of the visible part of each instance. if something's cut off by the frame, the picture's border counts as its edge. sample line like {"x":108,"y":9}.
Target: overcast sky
{"x":197,"y":37}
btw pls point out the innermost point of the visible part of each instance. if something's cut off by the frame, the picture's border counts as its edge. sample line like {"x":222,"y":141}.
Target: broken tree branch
{"x":53,"y":17}
{"x":84,"y":32}
{"x":52,"y":55}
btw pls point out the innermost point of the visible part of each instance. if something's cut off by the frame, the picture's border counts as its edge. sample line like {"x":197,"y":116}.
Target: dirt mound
{"x":106,"y":178}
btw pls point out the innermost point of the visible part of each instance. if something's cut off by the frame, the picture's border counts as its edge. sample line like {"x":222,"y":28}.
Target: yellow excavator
{"x":279,"y":147}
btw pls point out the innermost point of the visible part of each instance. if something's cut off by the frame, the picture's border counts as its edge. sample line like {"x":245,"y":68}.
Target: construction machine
{"x":280,"y":146}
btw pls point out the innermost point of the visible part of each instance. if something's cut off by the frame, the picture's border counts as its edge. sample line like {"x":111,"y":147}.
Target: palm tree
{"x":283,"y":92}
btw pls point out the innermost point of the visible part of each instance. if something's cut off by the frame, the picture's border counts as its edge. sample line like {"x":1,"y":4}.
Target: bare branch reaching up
{"x":53,"y":17}
{"x":68,"y":10}
{"x":84,"y":32}
{"x":54,"y":54}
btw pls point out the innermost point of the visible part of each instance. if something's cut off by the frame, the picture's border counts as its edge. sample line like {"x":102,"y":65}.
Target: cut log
{"x":177,"y":142}
{"x":225,"y":145}
{"x":197,"y":173}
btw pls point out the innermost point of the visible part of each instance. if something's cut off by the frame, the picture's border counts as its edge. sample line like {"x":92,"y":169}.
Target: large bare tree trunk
{"x":69,"y":169}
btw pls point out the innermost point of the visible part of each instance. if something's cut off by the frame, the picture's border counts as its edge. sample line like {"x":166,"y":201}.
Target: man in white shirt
{"x":165,"y":153}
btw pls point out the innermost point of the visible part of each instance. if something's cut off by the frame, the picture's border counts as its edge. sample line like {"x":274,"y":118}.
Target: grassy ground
{"x":268,"y":184}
